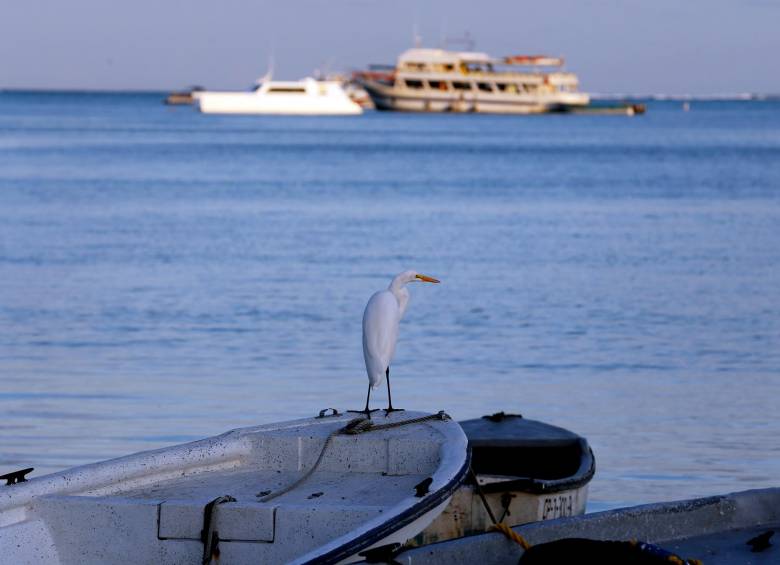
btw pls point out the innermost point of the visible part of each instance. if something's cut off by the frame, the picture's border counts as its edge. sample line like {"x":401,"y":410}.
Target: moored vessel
{"x":523,"y":471}
{"x":731,"y":529}
{"x":182,"y":97}
{"x":303,"y":97}
{"x":437,"y":80}
{"x":322,"y":490}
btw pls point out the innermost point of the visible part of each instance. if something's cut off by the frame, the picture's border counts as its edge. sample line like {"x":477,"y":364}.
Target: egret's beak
{"x":426,"y":278}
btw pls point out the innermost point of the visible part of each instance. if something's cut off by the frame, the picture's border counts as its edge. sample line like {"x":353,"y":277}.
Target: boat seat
{"x":399,"y":452}
{"x":239,"y":520}
{"x":283,"y":528}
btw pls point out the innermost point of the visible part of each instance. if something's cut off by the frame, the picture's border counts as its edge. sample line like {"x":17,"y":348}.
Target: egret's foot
{"x":388,"y":411}
{"x":366,"y":413}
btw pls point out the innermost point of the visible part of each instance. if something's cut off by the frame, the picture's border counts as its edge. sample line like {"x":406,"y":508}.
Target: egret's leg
{"x":390,"y":398}
{"x":365,"y":410}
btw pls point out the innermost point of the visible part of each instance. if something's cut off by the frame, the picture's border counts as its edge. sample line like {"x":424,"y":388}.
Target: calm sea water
{"x":166,"y":276}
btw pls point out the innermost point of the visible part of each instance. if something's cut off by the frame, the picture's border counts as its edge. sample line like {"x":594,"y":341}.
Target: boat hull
{"x":387,"y":97}
{"x":294,"y":492}
{"x":714,"y":529}
{"x":466,"y":514}
{"x":526,"y":470}
{"x":277,"y":104}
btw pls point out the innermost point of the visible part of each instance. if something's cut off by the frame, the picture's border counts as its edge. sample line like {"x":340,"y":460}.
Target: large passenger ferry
{"x":437,"y":80}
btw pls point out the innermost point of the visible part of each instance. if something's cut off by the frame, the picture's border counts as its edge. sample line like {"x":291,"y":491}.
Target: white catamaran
{"x":436,"y":80}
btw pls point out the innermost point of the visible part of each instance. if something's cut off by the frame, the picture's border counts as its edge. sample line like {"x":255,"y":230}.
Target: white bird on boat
{"x":380,"y":330}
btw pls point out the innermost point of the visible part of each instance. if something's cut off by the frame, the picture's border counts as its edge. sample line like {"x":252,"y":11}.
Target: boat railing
{"x":494,"y":75}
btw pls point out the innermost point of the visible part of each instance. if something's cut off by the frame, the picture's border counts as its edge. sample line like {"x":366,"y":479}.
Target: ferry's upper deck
{"x":419,"y":62}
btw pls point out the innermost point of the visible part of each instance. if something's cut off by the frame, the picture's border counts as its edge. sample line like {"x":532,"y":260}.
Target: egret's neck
{"x":401,"y":295}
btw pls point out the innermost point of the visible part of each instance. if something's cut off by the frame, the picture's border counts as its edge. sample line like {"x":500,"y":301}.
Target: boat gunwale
{"x":365,"y":540}
{"x":217,"y":452}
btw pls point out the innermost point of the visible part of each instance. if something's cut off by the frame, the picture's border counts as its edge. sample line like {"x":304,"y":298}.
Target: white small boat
{"x":303,"y":97}
{"x":296,"y":492}
{"x":733,"y":529}
{"x":525,"y":470}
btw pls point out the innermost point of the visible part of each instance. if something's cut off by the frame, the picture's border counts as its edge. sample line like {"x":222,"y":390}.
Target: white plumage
{"x":380,"y":333}
{"x":381,"y":319}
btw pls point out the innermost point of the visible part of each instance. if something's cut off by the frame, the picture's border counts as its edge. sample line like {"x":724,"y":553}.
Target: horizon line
{"x":758,"y":96}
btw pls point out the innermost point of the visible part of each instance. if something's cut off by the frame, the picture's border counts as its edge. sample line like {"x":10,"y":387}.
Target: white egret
{"x":380,"y":330}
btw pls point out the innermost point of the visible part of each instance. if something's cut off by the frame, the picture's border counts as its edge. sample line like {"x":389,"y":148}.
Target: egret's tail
{"x":376,"y":379}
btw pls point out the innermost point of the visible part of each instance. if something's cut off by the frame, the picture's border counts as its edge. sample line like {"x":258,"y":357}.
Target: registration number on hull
{"x":558,"y":506}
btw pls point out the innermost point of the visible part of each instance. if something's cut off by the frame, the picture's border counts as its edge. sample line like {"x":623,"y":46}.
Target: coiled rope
{"x":353,"y":427}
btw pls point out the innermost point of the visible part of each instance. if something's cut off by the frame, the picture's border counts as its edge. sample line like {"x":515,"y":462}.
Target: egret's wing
{"x":380,"y":334}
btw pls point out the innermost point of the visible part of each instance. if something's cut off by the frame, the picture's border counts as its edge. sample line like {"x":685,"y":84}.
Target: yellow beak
{"x":426,"y":278}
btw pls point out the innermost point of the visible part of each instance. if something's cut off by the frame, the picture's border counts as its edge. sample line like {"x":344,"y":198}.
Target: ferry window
{"x":501,"y":86}
{"x":449,"y":67}
{"x":461,"y":85}
{"x":484,"y":87}
{"x":438,"y":85}
{"x":286,"y":90}
{"x":414,"y":83}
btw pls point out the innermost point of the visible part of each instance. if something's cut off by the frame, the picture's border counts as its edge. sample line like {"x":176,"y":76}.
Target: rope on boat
{"x":652,"y":553}
{"x":208,"y":535}
{"x":511,"y":534}
{"x":481,"y":494}
{"x":361,"y":425}
{"x":353,"y":427}
{"x":498,"y":526}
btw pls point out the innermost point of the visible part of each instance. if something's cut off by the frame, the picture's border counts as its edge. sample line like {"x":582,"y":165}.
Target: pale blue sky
{"x":629,"y":46}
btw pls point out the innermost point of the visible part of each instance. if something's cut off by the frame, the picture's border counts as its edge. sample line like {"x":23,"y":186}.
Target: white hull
{"x":151,"y":507}
{"x":466,"y":515}
{"x":527,"y":471}
{"x":304,"y":98}
{"x":435,"y":80}
{"x":390,"y":98}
